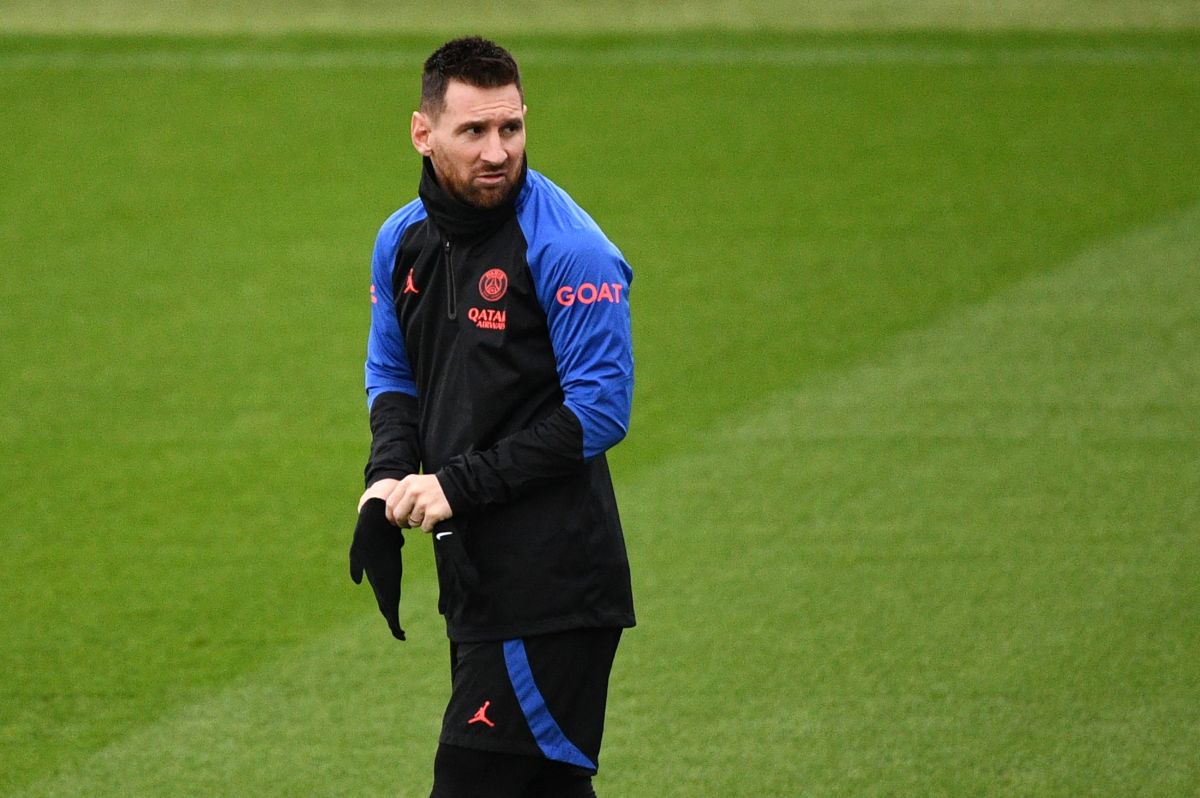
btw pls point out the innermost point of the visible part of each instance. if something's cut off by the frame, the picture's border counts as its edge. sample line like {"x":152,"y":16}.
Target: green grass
{"x":542,"y":16}
{"x":911,"y":485}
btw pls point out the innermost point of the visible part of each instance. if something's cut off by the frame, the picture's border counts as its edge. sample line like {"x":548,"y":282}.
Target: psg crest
{"x":493,"y":284}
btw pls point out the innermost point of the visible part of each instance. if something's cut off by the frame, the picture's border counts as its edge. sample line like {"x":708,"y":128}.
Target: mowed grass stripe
{"x":963,"y":567}
{"x":881,"y":53}
{"x":124,"y":16}
{"x":351,"y":712}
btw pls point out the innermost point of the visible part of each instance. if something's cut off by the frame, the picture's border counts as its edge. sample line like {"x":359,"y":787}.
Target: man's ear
{"x":420,"y":130}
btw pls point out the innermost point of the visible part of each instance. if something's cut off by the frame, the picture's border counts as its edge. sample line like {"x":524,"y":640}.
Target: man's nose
{"x":493,"y":149}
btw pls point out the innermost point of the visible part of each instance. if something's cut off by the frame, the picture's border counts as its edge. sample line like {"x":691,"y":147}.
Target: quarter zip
{"x":451,"y":298}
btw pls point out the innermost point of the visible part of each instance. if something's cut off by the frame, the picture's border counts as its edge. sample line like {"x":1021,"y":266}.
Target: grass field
{"x":622,"y":16}
{"x":912,"y":489}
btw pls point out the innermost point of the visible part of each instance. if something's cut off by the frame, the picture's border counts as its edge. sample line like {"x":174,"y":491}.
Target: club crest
{"x":493,"y":285}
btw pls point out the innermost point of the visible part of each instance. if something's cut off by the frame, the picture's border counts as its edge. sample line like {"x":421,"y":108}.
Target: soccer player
{"x":499,"y":371}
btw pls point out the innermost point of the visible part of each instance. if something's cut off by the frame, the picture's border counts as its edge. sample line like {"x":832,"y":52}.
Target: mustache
{"x":508,"y":176}
{"x":508,"y":166}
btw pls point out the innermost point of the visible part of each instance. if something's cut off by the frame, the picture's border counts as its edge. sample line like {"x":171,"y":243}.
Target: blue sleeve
{"x":387,"y":366}
{"x":583,"y":286}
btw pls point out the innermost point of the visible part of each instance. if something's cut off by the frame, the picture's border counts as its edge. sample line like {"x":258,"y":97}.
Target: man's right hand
{"x":412,"y":502}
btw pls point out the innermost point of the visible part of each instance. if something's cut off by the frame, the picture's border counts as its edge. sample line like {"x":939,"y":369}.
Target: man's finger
{"x":399,"y":504}
{"x":431,"y":520}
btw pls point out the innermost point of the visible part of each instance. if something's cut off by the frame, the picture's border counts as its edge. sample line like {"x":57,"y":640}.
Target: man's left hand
{"x":418,"y":501}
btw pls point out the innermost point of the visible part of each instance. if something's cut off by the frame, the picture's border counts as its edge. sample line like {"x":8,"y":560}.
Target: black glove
{"x":376,"y":550}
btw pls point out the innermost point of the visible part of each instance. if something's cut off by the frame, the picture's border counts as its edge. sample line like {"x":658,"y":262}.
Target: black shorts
{"x":541,"y":696}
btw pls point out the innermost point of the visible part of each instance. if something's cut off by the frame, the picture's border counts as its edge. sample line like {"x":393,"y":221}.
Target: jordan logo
{"x":409,"y":288}
{"x":481,"y":715}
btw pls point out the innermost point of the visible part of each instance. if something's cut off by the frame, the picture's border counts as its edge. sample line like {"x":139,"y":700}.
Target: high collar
{"x":458,"y":220}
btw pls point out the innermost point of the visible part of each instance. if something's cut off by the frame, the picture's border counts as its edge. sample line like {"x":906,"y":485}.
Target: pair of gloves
{"x":376,"y":551}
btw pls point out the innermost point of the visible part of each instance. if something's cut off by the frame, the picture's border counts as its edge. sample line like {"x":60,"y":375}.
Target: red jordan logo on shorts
{"x":481,"y":715}
{"x":409,"y":288}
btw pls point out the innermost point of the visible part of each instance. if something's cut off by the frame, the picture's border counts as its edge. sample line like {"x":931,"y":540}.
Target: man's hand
{"x":418,"y":501}
{"x":378,"y":490}
{"x":415,"y":501}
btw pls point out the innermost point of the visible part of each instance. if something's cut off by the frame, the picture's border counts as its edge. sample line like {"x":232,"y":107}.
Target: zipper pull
{"x":451,"y":297}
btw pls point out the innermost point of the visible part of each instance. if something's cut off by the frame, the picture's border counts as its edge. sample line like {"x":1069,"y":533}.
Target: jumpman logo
{"x":409,"y":288}
{"x":481,"y":715}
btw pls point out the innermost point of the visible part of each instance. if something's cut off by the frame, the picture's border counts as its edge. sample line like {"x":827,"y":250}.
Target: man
{"x":499,"y":371}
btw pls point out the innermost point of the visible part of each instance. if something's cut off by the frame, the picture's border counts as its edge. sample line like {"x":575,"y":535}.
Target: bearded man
{"x":499,"y":371}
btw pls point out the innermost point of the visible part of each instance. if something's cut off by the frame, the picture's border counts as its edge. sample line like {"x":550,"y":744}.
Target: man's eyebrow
{"x":515,"y":119}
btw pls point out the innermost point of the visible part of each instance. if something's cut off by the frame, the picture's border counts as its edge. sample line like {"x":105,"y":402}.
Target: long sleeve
{"x":395,"y":451}
{"x":387,"y":367}
{"x":391,"y":390}
{"x":540,"y":453}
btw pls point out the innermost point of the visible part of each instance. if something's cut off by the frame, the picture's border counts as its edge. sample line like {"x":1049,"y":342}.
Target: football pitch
{"x":912,"y":487}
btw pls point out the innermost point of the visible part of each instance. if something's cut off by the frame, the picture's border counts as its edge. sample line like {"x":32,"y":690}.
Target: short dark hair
{"x":473,"y":60}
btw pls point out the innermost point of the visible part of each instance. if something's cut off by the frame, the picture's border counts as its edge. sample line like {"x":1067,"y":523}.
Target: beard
{"x":462,"y":185}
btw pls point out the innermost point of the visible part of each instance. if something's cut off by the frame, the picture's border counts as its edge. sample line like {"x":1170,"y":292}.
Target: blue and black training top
{"x":500,"y":359}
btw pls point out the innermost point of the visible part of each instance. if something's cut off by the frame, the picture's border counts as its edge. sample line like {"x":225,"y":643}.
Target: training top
{"x":500,"y":359}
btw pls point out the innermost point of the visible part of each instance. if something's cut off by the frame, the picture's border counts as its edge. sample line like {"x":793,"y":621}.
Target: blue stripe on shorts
{"x":546,"y":732}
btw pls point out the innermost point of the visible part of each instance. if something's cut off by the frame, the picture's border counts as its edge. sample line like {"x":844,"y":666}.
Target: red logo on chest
{"x":488,"y":318}
{"x":409,"y":288}
{"x":493,"y":284}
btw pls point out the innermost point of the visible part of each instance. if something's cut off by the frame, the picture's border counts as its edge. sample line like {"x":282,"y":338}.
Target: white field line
{"x":803,"y":55}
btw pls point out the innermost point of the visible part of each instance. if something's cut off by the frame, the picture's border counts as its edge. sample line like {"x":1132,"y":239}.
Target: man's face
{"x":476,"y":143}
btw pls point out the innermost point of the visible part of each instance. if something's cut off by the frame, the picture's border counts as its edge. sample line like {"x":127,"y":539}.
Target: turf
{"x":911,"y":485}
{"x":620,"y":16}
